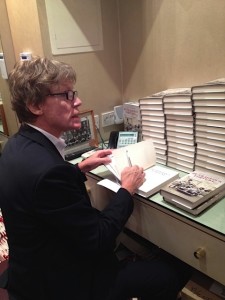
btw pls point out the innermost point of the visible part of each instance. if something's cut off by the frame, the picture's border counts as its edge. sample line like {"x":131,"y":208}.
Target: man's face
{"x":60,"y":114}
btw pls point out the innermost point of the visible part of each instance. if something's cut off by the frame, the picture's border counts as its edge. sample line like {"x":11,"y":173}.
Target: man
{"x":59,"y":246}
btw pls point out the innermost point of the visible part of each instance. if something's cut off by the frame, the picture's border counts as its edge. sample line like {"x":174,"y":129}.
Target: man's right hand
{"x":132,"y":178}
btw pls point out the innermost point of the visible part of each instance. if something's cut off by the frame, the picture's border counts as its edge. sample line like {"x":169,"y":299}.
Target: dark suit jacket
{"x":59,"y":246}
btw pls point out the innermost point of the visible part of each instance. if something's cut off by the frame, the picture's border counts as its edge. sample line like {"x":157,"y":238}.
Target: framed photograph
{"x":83,"y":139}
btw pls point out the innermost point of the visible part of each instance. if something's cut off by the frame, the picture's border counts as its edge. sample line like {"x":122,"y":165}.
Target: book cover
{"x":194,"y":188}
{"x":131,"y":116}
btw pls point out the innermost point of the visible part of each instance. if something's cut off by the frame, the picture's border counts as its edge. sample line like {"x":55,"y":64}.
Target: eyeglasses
{"x":69,"y":95}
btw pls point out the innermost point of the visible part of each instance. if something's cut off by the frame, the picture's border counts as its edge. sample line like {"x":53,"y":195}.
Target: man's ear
{"x":35,"y":109}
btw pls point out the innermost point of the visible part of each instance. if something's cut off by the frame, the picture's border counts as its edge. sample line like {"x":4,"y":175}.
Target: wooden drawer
{"x":180,"y":239}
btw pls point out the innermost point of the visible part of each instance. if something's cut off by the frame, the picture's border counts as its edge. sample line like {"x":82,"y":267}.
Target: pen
{"x":128,"y":159}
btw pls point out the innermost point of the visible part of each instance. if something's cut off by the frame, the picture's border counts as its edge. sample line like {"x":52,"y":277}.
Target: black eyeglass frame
{"x":70,"y":95}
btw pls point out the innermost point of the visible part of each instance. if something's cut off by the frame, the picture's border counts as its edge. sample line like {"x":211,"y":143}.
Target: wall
{"x":163,"y":43}
{"x":170,"y":43}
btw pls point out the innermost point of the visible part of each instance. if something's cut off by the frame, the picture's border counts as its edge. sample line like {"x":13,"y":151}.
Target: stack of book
{"x":195,"y":191}
{"x":209,"y":106}
{"x":153,"y":124}
{"x":179,"y":126}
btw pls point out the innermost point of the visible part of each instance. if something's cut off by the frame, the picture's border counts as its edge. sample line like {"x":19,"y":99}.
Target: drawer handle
{"x":199,"y":253}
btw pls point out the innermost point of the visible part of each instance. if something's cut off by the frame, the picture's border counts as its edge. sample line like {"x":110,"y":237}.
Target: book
{"x":150,"y":100}
{"x":181,"y":157}
{"x":151,"y":118}
{"x":180,"y":163}
{"x":217,"y":85}
{"x":179,"y":167}
{"x":210,"y":167}
{"x":212,"y":150}
{"x":150,"y":112}
{"x":182,"y":112}
{"x":180,"y":118}
{"x":151,"y":106}
{"x":187,"y":130}
{"x":180,"y":135}
{"x":210,"y":123}
{"x":179,"y":98}
{"x":178,"y":105}
{"x":131,"y":116}
{"x":152,"y":123}
{"x":210,"y":110}
{"x":208,"y":141}
{"x":141,"y":154}
{"x":211,"y":103}
{"x":180,"y":123}
{"x":153,"y":134}
{"x":185,"y":152}
{"x":182,"y":146}
{"x":210,"y":129}
{"x":193,"y":189}
{"x":180,"y":140}
{"x":209,"y":116}
{"x":152,"y":128}
{"x":211,"y":135}
{"x":208,"y":96}
{"x":200,"y":208}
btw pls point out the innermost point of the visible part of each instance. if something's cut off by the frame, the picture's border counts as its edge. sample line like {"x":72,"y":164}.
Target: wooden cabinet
{"x":191,"y":242}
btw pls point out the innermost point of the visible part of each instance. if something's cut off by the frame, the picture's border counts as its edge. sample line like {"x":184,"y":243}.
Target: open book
{"x":143,"y":155}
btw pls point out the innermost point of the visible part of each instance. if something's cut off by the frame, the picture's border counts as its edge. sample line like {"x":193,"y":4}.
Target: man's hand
{"x":100,"y":157}
{"x":132,"y":178}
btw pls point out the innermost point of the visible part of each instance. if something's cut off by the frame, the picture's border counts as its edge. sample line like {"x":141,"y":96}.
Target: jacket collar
{"x":38,"y":137}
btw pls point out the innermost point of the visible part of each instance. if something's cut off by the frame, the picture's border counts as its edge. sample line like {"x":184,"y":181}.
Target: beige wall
{"x":170,"y":43}
{"x":164,"y":44}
